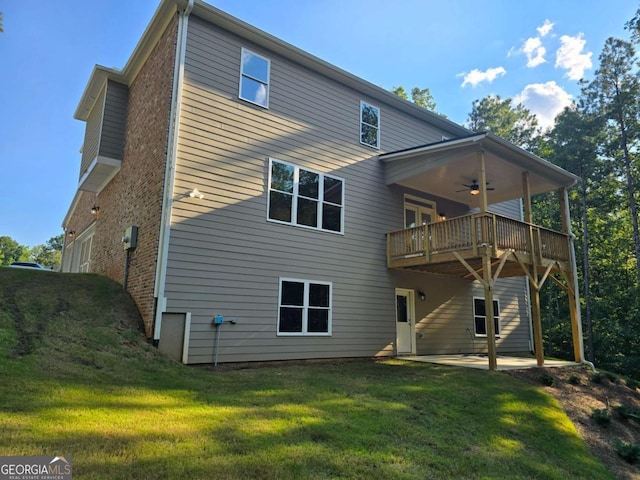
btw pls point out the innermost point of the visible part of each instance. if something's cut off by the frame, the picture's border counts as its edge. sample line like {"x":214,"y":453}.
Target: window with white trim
{"x":480,"y":316}
{"x":305,"y":198}
{"x":304,"y":307}
{"x":254,"y":78}
{"x":369,"y":125}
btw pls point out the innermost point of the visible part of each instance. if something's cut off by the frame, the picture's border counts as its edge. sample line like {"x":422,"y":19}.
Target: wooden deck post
{"x":488,"y":308}
{"x":572,"y":280}
{"x":534,"y":287}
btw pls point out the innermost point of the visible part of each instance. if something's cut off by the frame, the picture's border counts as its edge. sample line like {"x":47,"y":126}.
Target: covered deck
{"x":483,"y":245}
{"x":444,"y":247}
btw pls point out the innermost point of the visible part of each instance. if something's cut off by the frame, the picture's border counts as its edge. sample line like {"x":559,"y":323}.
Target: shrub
{"x":612,"y":377}
{"x":574,"y":380}
{"x":597,"y":377}
{"x":628,"y":451}
{"x":601,"y":416}
{"x":633,"y":384}
{"x":626,"y":413}
{"x":547,"y":379}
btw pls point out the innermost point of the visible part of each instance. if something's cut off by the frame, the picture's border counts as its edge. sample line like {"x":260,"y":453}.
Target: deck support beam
{"x":572,"y":280}
{"x":534,"y":285}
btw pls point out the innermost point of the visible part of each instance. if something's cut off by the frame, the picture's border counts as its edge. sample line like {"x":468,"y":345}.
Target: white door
{"x":405,"y":322}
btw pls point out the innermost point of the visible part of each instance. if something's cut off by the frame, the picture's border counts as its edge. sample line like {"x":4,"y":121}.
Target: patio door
{"x":405,"y":322}
{"x":418,"y":211}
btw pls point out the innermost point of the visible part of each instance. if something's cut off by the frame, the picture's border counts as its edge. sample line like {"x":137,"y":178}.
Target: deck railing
{"x":475,"y":231}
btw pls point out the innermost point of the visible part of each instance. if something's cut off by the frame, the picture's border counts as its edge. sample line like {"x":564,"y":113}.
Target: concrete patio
{"x":482,"y":362}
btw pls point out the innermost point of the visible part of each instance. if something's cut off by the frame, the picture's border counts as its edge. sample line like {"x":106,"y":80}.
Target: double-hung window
{"x":304,"y":307}
{"x":305,"y":198}
{"x":369,"y":125}
{"x":480,"y":317}
{"x":254,"y":78}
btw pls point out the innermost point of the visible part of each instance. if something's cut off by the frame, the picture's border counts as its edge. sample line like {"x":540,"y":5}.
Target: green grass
{"x":78,"y":379}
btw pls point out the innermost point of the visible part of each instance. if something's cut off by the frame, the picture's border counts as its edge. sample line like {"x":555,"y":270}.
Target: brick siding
{"x":134,"y":196}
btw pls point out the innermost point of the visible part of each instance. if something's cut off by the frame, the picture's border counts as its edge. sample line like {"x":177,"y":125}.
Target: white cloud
{"x":570,"y":56}
{"x":534,"y":51}
{"x":545,"y":28}
{"x":475,"y":76}
{"x":546,"y":100}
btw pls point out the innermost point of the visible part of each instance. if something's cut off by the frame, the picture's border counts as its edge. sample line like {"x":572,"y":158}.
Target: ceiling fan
{"x":473,"y":188}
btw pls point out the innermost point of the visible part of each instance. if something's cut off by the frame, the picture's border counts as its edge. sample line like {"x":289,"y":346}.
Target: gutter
{"x":170,"y":169}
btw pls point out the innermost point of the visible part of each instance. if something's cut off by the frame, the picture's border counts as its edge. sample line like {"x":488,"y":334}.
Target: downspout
{"x":576,"y":291}
{"x":170,"y":169}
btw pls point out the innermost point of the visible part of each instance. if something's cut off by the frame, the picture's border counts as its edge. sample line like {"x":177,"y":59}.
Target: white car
{"x":30,"y":265}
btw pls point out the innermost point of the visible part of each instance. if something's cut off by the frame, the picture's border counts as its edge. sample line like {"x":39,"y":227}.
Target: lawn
{"x":78,"y":379}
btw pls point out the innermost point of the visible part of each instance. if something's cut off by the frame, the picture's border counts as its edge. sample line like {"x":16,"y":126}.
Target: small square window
{"x":304,"y":307}
{"x":369,"y":125}
{"x":254,"y":78}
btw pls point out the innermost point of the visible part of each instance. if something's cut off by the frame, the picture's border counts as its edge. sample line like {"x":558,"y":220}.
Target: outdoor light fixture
{"x":195,"y":193}
{"x":421,"y":295}
{"x":95,"y":210}
{"x":442,"y":216}
{"x":71,"y":233}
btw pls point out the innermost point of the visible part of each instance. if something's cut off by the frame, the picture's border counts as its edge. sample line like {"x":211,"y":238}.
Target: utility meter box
{"x":130,"y":238}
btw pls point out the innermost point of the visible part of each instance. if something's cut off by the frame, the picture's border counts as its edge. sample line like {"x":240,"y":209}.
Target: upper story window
{"x":480,"y":317}
{"x":305,"y":198}
{"x":304,"y":307}
{"x":369,"y":125}
{"x":254,"y":78}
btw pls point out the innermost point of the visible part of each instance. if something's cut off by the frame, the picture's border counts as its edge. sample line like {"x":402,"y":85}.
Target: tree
{"x":614,"y":95}
{"x":422,"y":97}
{"x":11,"y":251}
{"x":49,"y":254}
{"x":515,"y":124}
{"x":1,"y":30}
{"x":573,"y":145}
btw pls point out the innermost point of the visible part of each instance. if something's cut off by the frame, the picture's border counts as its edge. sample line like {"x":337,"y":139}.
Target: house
{"x":261,"y":204}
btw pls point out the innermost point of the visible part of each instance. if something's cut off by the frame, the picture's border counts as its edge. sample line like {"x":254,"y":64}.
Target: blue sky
{"x":462,"y":50}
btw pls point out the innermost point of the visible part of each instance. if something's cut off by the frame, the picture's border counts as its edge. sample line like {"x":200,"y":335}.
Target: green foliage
{"x":11,"y":251}
{"x":633,"y":384}
{"x":630,"y":452}
{"x":627,"y":413}
{"x":597,"y":377}
{"x":574,"y":380}
{"x":422,"y":97}
{"x":601,"y":416}
{"x":48,"y":254}
{"x":500,"y":117}
{"x":547,"y":379}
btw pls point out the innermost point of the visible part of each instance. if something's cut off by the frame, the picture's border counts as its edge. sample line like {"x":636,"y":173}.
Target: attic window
{"x":369,"y":125}
{"x":254,"y":78}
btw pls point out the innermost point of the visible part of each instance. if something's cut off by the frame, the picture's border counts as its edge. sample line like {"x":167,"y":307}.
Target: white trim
{"x":242,"y":74}
{"x":377,"y":127}
{"x":305,"y":308}
{"x":295,"y":195}
{"x":170,"y":170}
{"x":473,"y":307}
{"x":100,"y":160}
{"x":185,"y":340}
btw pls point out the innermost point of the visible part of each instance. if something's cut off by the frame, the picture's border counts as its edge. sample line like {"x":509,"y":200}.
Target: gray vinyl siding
{"x":114,"y":120}
{"x":92,"y":134}
{"x":226,"y":258}
{"x":104,"y":133}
